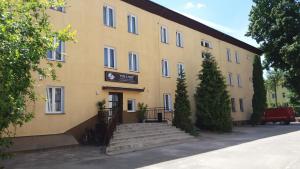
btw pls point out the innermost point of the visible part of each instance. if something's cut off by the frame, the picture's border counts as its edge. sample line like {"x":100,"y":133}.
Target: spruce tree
{"x":212,"y":98}
{"x":259,"y":97}
{"x":182,"y":106}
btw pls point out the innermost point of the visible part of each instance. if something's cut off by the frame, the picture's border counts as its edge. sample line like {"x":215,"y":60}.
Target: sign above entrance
{"x":121,"y":77}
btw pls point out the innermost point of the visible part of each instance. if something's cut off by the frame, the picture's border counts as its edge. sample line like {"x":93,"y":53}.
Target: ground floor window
{"x":55,"y":102}
{"x":233,"y":109}
{"x":168,"y":102}
{"x":131,"y":105}
{"x":241,"y":105}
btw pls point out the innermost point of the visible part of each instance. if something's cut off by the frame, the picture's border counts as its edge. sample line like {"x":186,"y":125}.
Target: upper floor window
{"x":228,"y":54}
{"x":283,"y":95}
{"x":133,"y":62}
{"x":110,"y":58}
{"x":59,"y":8}
{"x":241,"y":104}
{"x":237,"y":57}
{"x":233,"y":108}
{"x":180,"y":69}
{"x":58,"y":53}
{"x":109,"y":16}
{"x":165,"y":68}
{"x":55,"y":97}
{"x":179,"y":39}
{"x":206,"y":44}
{"x":230,"y":80}
{"x":239,"y":80}
{"x":164,"y":34}
{"x":132,"y":24}
{"x":168,"y":102}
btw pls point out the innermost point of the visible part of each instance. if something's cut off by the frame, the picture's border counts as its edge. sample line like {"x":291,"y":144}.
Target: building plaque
{"x":120,"y":77}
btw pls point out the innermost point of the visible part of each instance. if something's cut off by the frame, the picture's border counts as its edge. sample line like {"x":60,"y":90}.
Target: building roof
{"x":164,"y":12}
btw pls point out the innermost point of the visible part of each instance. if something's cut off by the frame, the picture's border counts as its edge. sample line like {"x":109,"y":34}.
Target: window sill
{"x":110,"y":68}
{"x":166,"y":76}
{"x":54,"y":60}
{"x":166,"y":43}
{"x":55,"y":113}
{"x":132,"y":71}
{"x":131,"y":111}
{"x":107,"y":26}
{"x":180,"y":46}
{"x":132,"y":33}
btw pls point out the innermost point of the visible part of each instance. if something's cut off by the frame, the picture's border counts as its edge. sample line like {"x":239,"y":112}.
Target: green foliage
{"x":259,"y":98}
{"x":25,"y":37}
{"x":212,"y":98}
{"x":101,"y":105}
{"x":275,"y":24}
{"x":182,"y":112}
{"x":142,"y":109}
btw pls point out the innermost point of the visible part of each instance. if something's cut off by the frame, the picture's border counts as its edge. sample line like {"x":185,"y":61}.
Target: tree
{"x":25,"y":37}
{"x":274,"y":80}
{"x":259,"y":99}
{"x":182,"y":112}
{"x":275,"y":24}
{"x":212,"y":98}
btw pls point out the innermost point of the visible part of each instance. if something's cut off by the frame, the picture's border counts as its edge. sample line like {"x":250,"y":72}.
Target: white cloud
{"x":239,"y":34}
{"x":191,"y":5}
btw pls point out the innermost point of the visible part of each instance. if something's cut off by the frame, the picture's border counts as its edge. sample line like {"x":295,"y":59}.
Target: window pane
{"x":166,"y":69}
{"x":105,"y":57}
{"x":49,"y":54}
{"x":129,"y":23}
{"x":49,"y":99}
{"x":111,"y":17}
{"x":130,"y":61}
{"x":241,"y":105}
{"x":105,"y":15}
{"x":59,"y":51}
{"x":134,"y":62}
{"x":58,"y":100}
{"x":112,"y":58}
{"x":133,"y":25}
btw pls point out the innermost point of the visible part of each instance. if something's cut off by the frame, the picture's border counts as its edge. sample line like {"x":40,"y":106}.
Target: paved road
{"x":265,"y":147}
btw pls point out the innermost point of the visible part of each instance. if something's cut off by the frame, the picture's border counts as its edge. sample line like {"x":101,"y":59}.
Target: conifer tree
{"x":213,"y":110}
{"x":259,"y":97}
{"x":182,"y":106}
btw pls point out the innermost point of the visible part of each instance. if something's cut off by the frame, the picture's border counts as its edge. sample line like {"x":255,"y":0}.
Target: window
{"x":273,"y":95}
{"x":110,"y":58}
{"x":132,"y":24}
{"x":180,"y":69}
{"x":228,"y":54}
{"x":283,"y":95}
{"x":230,"y":81}
{"x":131,"y":106}
{"x":206,"y":44}
{"x":239,"y":80}
{"x":179,"y":39}
{"x":165,"y":68}
{"x":168,"y":102}
{"x":241,"y":105}
{"x":59,"y":8}
{"x":233,"y":109}
{"x":237,"y":57}
{"x":55,"y":97}
{"x":133,"y":62}
{"x":109,"y":16}
{"x":164,"y":35}
{"x":58,"y":53}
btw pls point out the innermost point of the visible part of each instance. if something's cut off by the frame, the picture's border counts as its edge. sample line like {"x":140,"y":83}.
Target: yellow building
{"x":282,"y":94}
{"x":130,"y":51}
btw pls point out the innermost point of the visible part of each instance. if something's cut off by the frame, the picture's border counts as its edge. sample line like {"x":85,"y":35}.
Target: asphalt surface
{"x":263,"y":147}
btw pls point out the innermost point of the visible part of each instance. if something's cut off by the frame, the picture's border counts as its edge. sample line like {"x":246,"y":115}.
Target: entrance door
{"x":116,"y":104}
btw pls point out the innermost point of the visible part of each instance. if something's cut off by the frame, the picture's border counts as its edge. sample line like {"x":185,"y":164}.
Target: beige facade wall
{"x":82,"y":74}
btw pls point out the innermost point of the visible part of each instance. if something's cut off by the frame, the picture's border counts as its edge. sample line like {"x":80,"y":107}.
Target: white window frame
{"x":206,"y":44}
{"x":50,"y":107}
{"x":180,"y":69}
{"x":237,"y":57}
{"x":230,"y":79}
{"x":133,"y":105}
{"x":228,"y":55}
{"x":239,"y":80}
{"x":54,"y":54}
{"x":130,"y":24}
{"x":165,"y":68}
{"x":164,"y":36}
{"x":131,"y":62}
{"x":179,"y":39}
{"x":106,"y":16}
{"x":109,"y":58}
{"x":168,"y":101}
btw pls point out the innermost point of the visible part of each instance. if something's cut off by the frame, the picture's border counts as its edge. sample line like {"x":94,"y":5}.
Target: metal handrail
{"x":109,"y":117}
{"x":152,"y":114}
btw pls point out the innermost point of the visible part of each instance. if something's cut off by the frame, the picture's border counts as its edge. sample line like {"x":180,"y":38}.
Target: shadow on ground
{"x":91,"y":157}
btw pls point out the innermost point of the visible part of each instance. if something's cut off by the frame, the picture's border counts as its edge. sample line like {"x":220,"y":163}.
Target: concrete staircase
{"x":139,"y":136}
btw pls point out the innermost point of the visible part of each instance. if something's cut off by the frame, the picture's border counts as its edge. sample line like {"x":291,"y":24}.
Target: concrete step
{"x":139,"y":136}
{"x":135,"y":146}
{"x":146,"y":138}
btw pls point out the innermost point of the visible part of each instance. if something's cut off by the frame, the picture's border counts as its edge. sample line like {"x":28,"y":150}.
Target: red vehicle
{"x":284,"y":114}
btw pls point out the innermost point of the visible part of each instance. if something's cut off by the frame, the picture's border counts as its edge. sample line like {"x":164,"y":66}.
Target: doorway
{"x":115,"y":102}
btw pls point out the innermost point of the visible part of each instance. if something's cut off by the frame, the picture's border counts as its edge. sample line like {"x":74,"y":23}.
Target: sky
{"x":228,"y":16}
